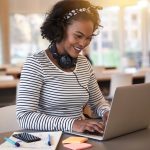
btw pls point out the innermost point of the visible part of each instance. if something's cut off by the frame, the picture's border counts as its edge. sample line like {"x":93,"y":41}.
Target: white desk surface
{"x":139,"y":140}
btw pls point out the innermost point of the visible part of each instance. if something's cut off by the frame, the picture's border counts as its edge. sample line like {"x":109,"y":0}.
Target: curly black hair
{"x":54,"y":26}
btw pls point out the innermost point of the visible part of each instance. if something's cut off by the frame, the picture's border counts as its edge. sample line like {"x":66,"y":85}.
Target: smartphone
{"x":26,"y":137}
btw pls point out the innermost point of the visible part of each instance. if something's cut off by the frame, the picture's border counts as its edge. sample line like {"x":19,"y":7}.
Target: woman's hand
{"x":88,"y":125}
{"x":105,"y":117}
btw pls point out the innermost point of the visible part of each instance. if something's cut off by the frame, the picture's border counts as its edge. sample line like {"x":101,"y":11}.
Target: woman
{"x":58,"y":82}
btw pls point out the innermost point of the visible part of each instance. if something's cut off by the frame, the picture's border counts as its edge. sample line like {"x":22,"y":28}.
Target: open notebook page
{"x":38,"y":145}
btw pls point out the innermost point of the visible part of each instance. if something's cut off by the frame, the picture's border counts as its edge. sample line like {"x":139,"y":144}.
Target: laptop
{"x":130,"y":112}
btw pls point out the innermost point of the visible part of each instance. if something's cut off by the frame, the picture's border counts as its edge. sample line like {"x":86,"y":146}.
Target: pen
{"x":12,"y":142}
{"x":49,"y":140}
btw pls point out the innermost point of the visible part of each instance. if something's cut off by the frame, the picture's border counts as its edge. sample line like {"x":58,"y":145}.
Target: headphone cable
{"x":80,"y":83}
{"x":86,"y":115}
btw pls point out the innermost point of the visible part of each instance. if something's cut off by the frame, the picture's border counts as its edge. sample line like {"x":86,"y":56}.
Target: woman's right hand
{"x":88,"y":125}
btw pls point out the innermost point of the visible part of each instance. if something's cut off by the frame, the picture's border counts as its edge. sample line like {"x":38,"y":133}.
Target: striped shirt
{"x":51,"y":99}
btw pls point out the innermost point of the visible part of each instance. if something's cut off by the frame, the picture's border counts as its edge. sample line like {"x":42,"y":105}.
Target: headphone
{"x":64,"y":61}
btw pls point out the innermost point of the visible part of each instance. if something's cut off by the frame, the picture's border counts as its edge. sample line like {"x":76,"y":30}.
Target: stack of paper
{"x":76,"y":143}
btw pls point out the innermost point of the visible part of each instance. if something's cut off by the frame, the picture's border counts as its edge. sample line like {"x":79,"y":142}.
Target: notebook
{"x":38,"y":145}
{"x":130,"y":111}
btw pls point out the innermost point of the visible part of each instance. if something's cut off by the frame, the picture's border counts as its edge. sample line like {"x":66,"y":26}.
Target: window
{"x":149,"y":35}
{"x":135,"y":48}
{"x":104,"y":49}
{"x":133,"y":38}
{"x":25,"y":37}
{"x":0,"y":46}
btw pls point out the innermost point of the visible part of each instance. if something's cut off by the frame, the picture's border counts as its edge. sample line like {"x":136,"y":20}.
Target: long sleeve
{"x":28,"y":101}
{"x":96,"y":100}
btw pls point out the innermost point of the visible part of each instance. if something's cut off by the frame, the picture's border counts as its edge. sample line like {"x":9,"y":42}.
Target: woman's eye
{"x":90,"y":38}
{"x":78,"y":36}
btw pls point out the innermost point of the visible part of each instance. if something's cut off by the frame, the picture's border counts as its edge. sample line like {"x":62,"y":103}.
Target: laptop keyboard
{"x":93,"y":133}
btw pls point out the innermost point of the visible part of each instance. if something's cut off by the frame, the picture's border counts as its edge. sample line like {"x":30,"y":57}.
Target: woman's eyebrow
{"x":80,"y":32}
{"x":84,"y":34}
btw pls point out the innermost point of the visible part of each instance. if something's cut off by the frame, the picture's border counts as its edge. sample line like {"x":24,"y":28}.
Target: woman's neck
{"x":50,"y":56}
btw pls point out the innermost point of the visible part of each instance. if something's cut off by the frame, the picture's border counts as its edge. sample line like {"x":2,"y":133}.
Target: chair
{"x":147,"y":77}
{"x":98,"y":68}
{"x":117,"y":80}
{"x":8,"y":119}
{"x":2,"y":71}
{"x":7,"y":90}
{"x":7,"y":96}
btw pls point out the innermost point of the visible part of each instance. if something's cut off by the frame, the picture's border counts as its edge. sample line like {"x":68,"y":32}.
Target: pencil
{"x":49,"y":140}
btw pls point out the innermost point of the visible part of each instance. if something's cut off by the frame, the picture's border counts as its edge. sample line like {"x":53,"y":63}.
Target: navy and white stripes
{"x":51,"y":99}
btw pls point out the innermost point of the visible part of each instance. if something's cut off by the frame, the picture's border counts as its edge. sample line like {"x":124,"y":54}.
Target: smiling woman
{"x":78,"y":37}
{"x":58,"y":82}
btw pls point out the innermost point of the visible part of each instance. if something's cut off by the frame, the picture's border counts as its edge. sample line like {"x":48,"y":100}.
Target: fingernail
{"x":102,"y":132}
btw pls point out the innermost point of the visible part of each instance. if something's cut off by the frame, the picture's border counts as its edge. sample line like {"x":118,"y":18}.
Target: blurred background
{"x":123,"y":43}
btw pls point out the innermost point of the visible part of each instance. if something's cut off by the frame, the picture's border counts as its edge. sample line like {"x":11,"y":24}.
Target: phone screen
{"x":26,"y":137}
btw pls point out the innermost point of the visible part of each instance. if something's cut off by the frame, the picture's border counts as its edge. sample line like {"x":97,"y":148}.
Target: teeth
{"x":77,"y":48}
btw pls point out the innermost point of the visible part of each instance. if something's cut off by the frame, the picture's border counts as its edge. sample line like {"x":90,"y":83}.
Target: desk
{"x":6,"y":84}
{"x":106,"y":75}
{"x":139,"y":140}
{"x":14,"y":70}
{"x":104,"y":79}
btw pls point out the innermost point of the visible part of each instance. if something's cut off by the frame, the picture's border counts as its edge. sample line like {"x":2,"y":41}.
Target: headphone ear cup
{"x":65,"y":61}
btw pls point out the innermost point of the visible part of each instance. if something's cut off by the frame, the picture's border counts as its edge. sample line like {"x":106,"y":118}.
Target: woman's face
{"x":78,"y":36}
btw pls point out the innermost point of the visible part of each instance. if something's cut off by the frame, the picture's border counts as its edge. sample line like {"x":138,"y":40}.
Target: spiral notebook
{"x":38,"y":145}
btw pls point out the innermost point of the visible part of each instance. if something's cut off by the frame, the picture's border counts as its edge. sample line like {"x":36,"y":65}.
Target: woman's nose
{"x":83,"y":43}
